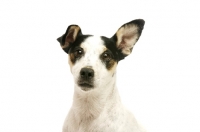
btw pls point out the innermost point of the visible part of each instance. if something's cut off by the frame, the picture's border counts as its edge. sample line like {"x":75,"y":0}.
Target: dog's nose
{"x":87,"y":73}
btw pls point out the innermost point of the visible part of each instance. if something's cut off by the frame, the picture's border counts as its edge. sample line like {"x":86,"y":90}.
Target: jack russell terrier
{"x":93,"y":60}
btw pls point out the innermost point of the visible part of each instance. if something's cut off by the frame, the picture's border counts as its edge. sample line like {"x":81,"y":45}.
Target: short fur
{"x":93,"y":60}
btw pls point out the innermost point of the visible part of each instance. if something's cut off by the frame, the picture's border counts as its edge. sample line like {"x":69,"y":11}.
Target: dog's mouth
{"x":86,"y":85}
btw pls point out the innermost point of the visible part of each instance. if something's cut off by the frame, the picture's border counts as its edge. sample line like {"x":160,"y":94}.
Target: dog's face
{"x":92,"y":62}
{"x":93,"y":59}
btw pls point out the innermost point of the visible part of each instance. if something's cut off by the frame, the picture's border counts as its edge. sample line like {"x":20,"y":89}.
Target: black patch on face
{"x":111,"y":51}
{"x":73,"y":47}
{"x":107,"y":59}
{"x":111,"y":46}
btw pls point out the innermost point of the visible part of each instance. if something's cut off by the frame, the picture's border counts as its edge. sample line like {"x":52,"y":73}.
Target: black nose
{"x":87,"y":73}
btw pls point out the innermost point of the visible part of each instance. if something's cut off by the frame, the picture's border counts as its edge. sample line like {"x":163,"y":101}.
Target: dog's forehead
{"x":94,"y":44}
{"x":98,"y":44}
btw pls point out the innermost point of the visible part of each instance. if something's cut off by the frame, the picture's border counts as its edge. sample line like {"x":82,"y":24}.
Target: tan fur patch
{"x":71,"y":60}
{"x":111,"y":64}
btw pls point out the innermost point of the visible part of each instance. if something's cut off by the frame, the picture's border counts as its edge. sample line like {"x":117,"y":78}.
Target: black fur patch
{"x":73,"y":46}
{"x":120,"y":55}
{"x":112,"y":49}
{"x":111,"y":45}
{"x":76,"y":43}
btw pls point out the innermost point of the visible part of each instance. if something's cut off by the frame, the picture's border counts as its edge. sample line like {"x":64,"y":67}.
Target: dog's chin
{"x":86,"y":86}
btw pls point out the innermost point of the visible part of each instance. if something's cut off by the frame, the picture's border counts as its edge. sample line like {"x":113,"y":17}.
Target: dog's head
{"x":92,"y":59}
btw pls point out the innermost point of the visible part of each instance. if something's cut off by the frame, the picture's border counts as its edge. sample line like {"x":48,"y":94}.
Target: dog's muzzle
{"x":86,"y":78}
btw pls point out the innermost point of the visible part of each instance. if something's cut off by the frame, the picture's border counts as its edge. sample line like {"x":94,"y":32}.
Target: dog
{"x":93,"y":60}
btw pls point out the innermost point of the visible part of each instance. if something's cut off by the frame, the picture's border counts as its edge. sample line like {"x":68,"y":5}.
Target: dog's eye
{"x":106,"y":56}
{"x":78,"y":53}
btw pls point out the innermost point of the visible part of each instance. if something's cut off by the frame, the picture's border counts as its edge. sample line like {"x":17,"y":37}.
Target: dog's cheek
{"x":110,"y":65}
{"x":71,"y":60}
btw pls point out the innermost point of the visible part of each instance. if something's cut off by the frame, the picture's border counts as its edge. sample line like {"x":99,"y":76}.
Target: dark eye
{"x":106,"y":56}
{"x":78,"y":53}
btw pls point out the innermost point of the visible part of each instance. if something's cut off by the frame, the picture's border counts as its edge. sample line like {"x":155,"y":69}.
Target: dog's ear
{"x":127,"y":35}
{"x":72,"y":32}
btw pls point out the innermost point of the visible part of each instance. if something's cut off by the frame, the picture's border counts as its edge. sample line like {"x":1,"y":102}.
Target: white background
{"x":159,"y":82}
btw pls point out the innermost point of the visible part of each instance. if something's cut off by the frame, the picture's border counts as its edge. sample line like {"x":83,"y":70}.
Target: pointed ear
{"x":127,"y":35}
{"x":72,"y":32}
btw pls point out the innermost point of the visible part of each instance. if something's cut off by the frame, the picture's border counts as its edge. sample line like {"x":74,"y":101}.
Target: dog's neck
{"x":88,"y":105}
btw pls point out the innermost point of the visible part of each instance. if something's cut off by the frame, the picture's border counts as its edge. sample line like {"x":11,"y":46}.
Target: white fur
{"x":99,"y":109}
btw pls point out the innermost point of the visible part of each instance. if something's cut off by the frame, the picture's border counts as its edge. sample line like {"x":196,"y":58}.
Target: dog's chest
{"x":88,"y":115}
{"x":101,"y":124}
{"x":99,"y":121}
{"x":109,"y":124}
